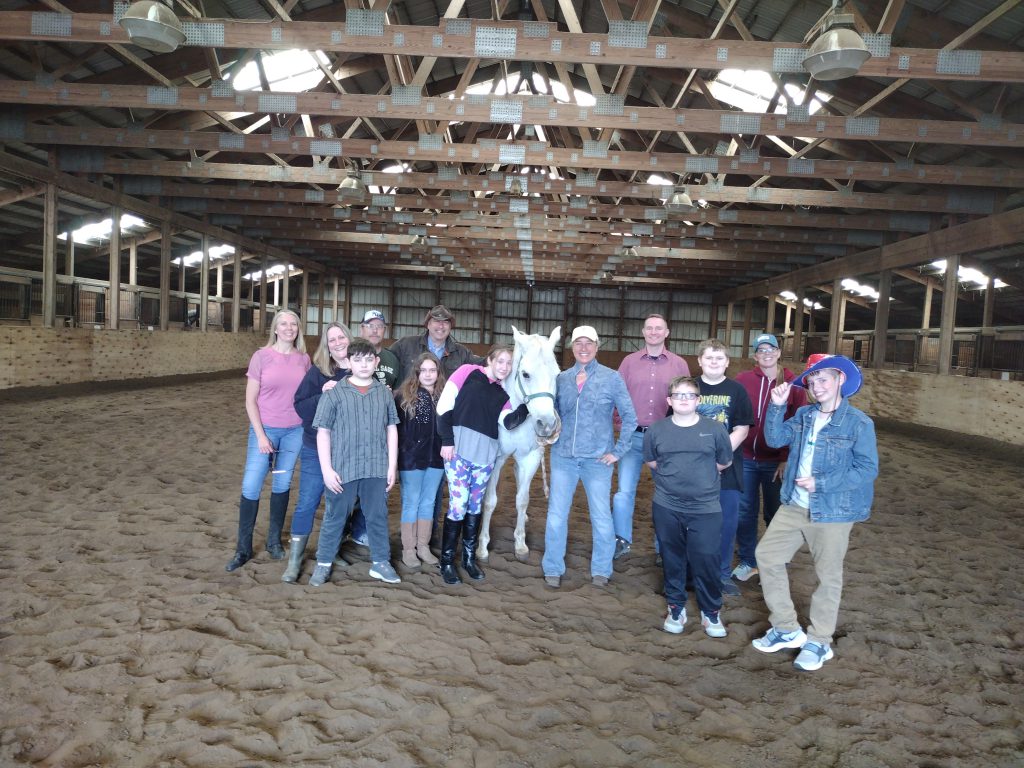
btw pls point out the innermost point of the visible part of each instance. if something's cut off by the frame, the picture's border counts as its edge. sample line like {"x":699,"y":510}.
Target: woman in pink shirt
{"x":275,"y":432}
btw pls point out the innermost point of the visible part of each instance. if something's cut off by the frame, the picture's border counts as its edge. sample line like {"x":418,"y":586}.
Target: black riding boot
{"x":247,"y":509}
{"x":449,"y":543}
{"x":470,"y":535}
{"x":278,"y":512}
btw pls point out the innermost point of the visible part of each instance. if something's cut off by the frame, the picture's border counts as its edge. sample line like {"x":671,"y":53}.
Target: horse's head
{"x":532,"y":380}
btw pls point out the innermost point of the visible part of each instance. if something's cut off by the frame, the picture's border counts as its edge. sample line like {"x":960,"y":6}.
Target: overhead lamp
{"x":839,"y":50}
{"x":352,"y":185}
{"x":679,"y":202}
{"x":629,"y":252}
{"x":515,"y":187}
{"x":151,"y":24}
{"x":419,"y":240}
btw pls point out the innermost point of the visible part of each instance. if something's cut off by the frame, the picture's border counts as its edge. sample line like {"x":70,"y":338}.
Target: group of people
{"x":720,"y":452}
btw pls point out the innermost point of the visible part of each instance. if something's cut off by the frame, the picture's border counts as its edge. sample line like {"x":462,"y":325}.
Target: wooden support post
{"x":789,"y":317}
{"x":713,"y":326}
{"x":50,"y":257}
{"x":748,"y":316}
{"x":947,"y":323}
{"x":220,"y":280}
{"x":728,"y":326}
{"x":286,"y":284}
{"x":236,"y":290}
{"x":304,"y":302}
{"x":69,"y":254}
{"x":989,"y":308}
{"x":926,"y":314}
{"x":277,"y":292}
{"x":878,"y":346}
{"x":320,"y":285}
{"x":114,"y":274}
{"x":204,"y":285}
{"x":798,"y":326}
{"x":334,"y":300}
{"x":769,"y":315}
{"x":835,"y":319}
{"x":346,"y":306}
{"x":165,"y":275}
{"x":263,"y":295}
{"x":133,"y":262}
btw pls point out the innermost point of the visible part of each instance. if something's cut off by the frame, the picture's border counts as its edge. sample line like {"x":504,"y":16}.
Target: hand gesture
{"x":780,"y":394}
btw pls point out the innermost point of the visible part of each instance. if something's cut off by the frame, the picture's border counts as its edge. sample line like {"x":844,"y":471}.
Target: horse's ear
{"x":555,"y":336}
{"x":515,"y":333}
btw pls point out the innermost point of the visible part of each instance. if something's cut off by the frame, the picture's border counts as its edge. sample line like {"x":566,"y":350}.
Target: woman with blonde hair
{"x":330,"y":365}
{"x":419,"y":456}
{"x":275,"y":432}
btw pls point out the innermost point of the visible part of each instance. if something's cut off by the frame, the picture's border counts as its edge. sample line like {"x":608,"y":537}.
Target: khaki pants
{"x":828,"y":542}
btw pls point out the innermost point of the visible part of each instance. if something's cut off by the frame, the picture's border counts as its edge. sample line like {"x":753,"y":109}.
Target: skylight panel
{"x":752,"y":91}
{"x":291,"y":71}
{"x":101,"y":229}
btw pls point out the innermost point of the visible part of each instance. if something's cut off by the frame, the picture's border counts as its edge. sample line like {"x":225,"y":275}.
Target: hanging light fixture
{"x":352,"y":185}
{"x":839,"y":50}
{"x":419,"y":240}
{"x":629,"y":252}
{"x":515,"y":187}
{"x":151,"y":24}
{"x":679,"y":202}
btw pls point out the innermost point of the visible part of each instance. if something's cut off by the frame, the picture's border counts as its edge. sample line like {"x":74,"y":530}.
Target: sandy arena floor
{"x":124,"y":643}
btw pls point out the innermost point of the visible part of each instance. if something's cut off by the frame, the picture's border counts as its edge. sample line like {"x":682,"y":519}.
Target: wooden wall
{"x":31,"y":357}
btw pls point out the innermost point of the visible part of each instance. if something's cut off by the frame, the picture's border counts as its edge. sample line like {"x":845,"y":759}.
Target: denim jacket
{"x":587,"y":426}
{"x":844,"y":466}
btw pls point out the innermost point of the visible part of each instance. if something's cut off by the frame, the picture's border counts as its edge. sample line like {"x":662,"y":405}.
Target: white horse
{"x":532,"y":381}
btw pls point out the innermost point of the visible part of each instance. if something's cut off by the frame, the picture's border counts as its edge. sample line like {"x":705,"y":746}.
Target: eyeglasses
{"x":765,"y":351}
{"x":684,"y":396}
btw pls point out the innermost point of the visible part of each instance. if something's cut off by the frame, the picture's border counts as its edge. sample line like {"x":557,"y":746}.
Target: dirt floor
{"x":124,"y":643}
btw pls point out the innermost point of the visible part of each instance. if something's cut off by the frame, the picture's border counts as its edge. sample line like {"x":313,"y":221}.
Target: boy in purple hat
{"x":827,"y":487}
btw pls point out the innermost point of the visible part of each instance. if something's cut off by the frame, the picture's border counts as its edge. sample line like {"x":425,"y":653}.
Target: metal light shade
{"x":837,"y":53}
{"x":152,"y":25}
{"x":679,"y":202}
{"x":515,"y":187}
{"x":629,"y":252}
{"x":352,"y":186}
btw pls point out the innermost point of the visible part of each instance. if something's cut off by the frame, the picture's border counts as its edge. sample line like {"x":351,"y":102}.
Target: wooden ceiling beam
{"x":520,"y":109}
{"x":992,"y":232}
{"x":587,"y":50}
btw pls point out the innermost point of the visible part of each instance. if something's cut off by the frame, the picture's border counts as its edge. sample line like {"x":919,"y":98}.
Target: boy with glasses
{"x":687,"y":454}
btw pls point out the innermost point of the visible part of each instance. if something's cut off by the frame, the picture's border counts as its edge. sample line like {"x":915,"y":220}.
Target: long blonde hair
{"x":408,"y":390}
{"x":322,"y":359}
{"x":300,"y":341}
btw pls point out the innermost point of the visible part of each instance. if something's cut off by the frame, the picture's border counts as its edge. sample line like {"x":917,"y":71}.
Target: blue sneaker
{"x":675,"y":618}
{"x":812,"y":656}
{"x":775,"y":640}
{"x":729,"y":588}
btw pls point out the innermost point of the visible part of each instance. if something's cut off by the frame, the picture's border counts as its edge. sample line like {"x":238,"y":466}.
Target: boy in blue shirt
{"x":687,"y":453}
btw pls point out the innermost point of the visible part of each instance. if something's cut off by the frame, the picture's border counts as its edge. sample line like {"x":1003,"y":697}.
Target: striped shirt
{"x":358,"y":422}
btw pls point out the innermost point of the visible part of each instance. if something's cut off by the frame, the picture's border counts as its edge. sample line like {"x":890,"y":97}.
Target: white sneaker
{"x":385,"y":572}
{"x":812,"y":655}
{"x":774,"y":640}
{"x":713,"y":626}
{"x":743,"y":572}
{"x":675,"y":619}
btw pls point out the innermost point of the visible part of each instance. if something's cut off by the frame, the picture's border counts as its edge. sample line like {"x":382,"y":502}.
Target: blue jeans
{"x":758,"y":485}
{"x":419,"y":489}
{"x":624,"y":500}
{"x":311,"y":490}
{"x":730,"y":517}
{"x":373,"y":498}
{"x":597,"y":483}
{"x":287,"y":442}
{"x":689,"y":546}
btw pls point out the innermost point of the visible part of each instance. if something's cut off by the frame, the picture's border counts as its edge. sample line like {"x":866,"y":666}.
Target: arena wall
{"x":34,"y":357}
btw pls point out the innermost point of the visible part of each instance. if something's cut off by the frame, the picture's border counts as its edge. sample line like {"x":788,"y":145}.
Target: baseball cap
{"x":584,"y":331}
{"x":374,"y":314}
{"x":765,"y":338}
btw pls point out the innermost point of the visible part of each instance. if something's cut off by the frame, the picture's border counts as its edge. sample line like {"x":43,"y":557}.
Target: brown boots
{"x":423,"y":528}
{"x":415,"y":544}
{"x":409,"y":559}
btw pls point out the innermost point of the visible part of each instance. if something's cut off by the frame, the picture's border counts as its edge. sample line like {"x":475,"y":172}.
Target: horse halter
{"x":526,"y":397}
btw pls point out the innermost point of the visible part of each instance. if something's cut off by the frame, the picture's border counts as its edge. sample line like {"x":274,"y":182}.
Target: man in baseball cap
{"x":437,"y":339}
{"x":374,"y":328}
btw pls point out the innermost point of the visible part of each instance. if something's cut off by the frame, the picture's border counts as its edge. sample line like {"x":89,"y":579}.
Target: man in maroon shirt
{"x":647,"y":374}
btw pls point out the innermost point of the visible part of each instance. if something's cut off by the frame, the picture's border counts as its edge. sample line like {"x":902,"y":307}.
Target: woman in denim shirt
{"x":828,"y":486}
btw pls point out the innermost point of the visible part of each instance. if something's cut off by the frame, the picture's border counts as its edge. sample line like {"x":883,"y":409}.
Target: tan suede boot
{"x":423,"y":528}
{"x":409,"y":558}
